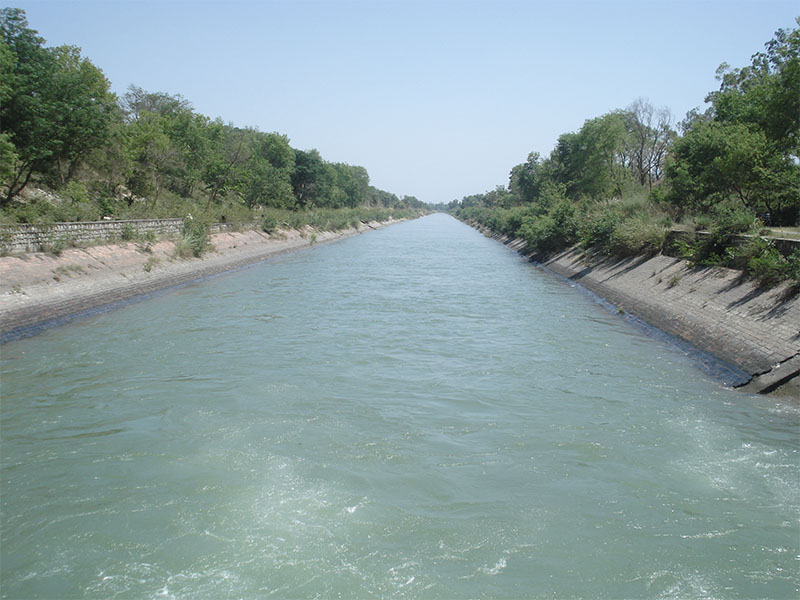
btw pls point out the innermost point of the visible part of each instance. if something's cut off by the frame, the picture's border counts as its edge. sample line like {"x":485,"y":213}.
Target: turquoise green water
{"x":416,"y":412}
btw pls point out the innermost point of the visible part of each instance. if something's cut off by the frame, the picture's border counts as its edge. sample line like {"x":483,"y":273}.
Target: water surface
{"x":416,"y":412}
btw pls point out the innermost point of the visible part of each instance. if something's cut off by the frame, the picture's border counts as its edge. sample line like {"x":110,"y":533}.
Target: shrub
{"x":597,"y":229}
{"x":56,"y":245}
{"x":674,"y":280}
{"x":768,"y":266}
{"x":269,"y":224}
{"x":150,"y":263}
{"x":195,"y":239}
{"x":75,"y":192}
{"x":128,"y":232}
{"x":703,"y":222}
{"x":637,"y":236}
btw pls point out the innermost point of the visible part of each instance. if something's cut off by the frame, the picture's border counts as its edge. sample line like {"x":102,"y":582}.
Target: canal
{"x":416,"y":412}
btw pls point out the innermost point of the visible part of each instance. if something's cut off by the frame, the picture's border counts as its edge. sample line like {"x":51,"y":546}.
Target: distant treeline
{"x":145,"y":153}
{"x":625,"y":177}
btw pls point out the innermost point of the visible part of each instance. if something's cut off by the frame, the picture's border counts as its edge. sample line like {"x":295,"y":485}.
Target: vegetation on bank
{"x":71,"y":150}
{"x":627,"y":177}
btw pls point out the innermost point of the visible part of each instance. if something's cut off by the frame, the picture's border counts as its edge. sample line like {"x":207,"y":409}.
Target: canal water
{"x":416,"y":412}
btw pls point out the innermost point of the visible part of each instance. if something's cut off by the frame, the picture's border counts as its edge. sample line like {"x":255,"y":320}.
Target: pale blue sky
{"x":437,"y":99}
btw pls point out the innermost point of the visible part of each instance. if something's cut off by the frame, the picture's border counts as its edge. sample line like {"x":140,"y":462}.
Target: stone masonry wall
{"x":36,"y":238}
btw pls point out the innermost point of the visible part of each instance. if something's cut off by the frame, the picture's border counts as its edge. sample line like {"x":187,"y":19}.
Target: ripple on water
{"x":357,"y":421}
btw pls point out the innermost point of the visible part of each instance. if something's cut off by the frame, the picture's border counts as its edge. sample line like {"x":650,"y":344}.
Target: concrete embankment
{"x":713,"y":309}
{"x":38,"y":289}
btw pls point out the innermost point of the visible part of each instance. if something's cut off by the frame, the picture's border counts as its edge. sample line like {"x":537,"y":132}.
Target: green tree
{"x":23,"y":115}
{"x":267,"y":179}
{"x":766,"y":93}
{"x":152,"y":156}
{"x":746,"y":145}
{"x":716,"y":161}
{"x":137,"y":102}
{"x":57,"y":105}
{"x":83,"y":110}
{"x":313,"y":179}
{"x":228,"y":153}
{"x":186,"y":131}
{"x":648,"y":138}
{"x":352,"y":183}
{"x":8,"y":154}
{"x":587,"y":162}
{"x":526,"y":179}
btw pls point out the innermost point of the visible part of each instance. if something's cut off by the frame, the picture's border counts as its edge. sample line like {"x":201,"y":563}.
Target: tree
{"x":587,"y":162}
{"x":352,"y":183}
{"x":136,"y":102}
{"x":313,"y":179}
{"x":267,"y":178}
{"x":746,"y":145}
{"x":152,"y":155}
{"x":83,"y":111}
{"x":526,"y":180}
{"x":766,"y":93}
{"x":23,"y":115}
{"x":228,"y":154}
{"x":186,"y":131}
{"x":8,"y":155}
{"x":715,"y":161}
{"x":57,"y":105}
{"x":649,"y":136}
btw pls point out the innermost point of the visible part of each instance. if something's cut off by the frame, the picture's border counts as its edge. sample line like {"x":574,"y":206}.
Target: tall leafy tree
{"x":228,"y":154}
{"x":587,"y":162}
{"x":527,"y":179}
{"x":352,"y":183}
{"x":23,"y":114}
{"x":766,"y":93}
{"x":647,"y":141}
{"x":152,"y":155}
{"x":267,"y":179}
{"x":313,"y":179}
{"x":57,"y":108}
{"x":83,"y":109}
{"x":746,"y":146}
{"x":8,"y":155}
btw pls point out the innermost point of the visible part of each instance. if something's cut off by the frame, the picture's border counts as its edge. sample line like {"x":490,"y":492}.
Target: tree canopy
{"x":60,"y":125}
{"x":744,"y":149}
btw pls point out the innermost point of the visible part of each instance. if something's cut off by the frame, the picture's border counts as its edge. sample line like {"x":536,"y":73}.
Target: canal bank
{"x":713,"y":309}
{"x":40,"y":289}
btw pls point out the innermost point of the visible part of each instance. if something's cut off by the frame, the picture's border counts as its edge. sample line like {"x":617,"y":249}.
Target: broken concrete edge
{"x":782,"y":375}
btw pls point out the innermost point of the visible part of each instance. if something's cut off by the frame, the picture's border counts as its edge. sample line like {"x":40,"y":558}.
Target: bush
{"x":597,"y":229}
{"x":269,"y":224}
{"x":637,"y":236}
{"x":128,"y":232}
{"x":195,"y":239}
{"x":76,"y":192}
{"x":768,"y":266}
{"x":552,"y":231}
